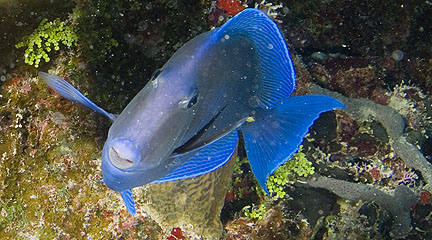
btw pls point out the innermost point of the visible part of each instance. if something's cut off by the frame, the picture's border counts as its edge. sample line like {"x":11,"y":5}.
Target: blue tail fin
{"x":276,"y":134}
{"x":69,"y":92}
{"x":128,"y":201}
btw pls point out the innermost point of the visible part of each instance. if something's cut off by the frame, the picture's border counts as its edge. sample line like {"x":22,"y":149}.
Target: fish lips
{"x":119,"y":176}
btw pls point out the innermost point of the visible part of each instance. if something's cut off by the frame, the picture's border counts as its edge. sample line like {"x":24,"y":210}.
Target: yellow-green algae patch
{"x":46,"y":37}
{"x":50,"y":171}
{"x":298,"y":165}
{"x":286,"y":174}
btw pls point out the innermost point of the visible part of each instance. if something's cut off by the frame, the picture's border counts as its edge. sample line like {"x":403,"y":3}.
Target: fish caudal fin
{"x":71,"y":93}
{"x":275,"y":134}
{"x":128,"y":201}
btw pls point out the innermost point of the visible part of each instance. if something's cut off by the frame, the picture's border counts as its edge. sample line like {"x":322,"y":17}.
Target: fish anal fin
{"x":128,"y":201}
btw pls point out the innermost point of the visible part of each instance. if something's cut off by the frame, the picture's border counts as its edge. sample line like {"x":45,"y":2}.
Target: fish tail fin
{"x":275,"y":134}
{"x":71,"y":93}
{"x":128,"y":201}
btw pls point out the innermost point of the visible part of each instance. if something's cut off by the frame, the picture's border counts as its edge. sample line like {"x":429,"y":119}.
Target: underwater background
{"x":361,"y":173}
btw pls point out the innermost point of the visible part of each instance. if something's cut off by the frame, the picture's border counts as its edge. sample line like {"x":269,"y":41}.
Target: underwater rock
{"x":313,"y":203}
{"x":192,"y":204}
{"x":355,"y":82}
{"x":352,"y":25}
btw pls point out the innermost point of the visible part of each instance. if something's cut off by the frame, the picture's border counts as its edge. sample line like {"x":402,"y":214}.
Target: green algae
{"x":298,"y":165}
{"x":48,"y":36}
{"x":255,"y":212}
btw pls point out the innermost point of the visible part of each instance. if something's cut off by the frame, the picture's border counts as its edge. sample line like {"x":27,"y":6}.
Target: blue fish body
{"x":185,"y":121}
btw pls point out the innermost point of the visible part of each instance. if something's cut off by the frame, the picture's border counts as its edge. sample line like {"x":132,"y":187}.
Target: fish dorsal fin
{"x":71,"y":93}
{"x":205,"y":160}
{"x":276,"y":67}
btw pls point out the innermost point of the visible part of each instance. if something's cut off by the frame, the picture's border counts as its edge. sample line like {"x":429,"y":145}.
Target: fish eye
{"x":193,"y":100}
{"x":188,"y":103}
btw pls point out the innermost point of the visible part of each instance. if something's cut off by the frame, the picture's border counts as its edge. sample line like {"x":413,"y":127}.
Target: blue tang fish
{"x":186,"y":121}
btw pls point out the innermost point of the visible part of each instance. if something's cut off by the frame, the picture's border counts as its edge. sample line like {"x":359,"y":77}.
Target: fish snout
{"x":123,"y":153}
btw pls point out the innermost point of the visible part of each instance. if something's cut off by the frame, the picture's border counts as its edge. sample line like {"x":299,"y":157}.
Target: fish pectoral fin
{"x":204,"y":160}
{"x":71,"y":93}
{"x":128,"y":201}
{"x":198,"y":144}
{"x":276,"y":134}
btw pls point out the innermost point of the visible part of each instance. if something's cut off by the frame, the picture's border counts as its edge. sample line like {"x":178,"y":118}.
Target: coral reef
{"x":50,"y":170}
{"x":273,"y":226}
{"x":376,"y":54}
{"x":394,"y":125}
{"x":358,"y":221}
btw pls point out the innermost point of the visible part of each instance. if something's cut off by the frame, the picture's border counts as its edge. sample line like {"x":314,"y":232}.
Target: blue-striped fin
{"x":128,"y":201}
{"x":71,"y":93}
{"x":205,"y":160}
{"x":275,"y":65}
{"x":276,"y":134}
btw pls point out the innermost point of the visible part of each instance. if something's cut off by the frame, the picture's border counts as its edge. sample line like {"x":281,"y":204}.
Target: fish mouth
{"x":193,"y":143}
{"x":196,"y":142}
{"x":118,"y":161}
{"x":122,"y":153}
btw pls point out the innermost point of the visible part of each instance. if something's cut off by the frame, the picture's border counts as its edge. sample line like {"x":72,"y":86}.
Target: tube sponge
{"x":397,"y":204}
{"x":394,"y":124}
